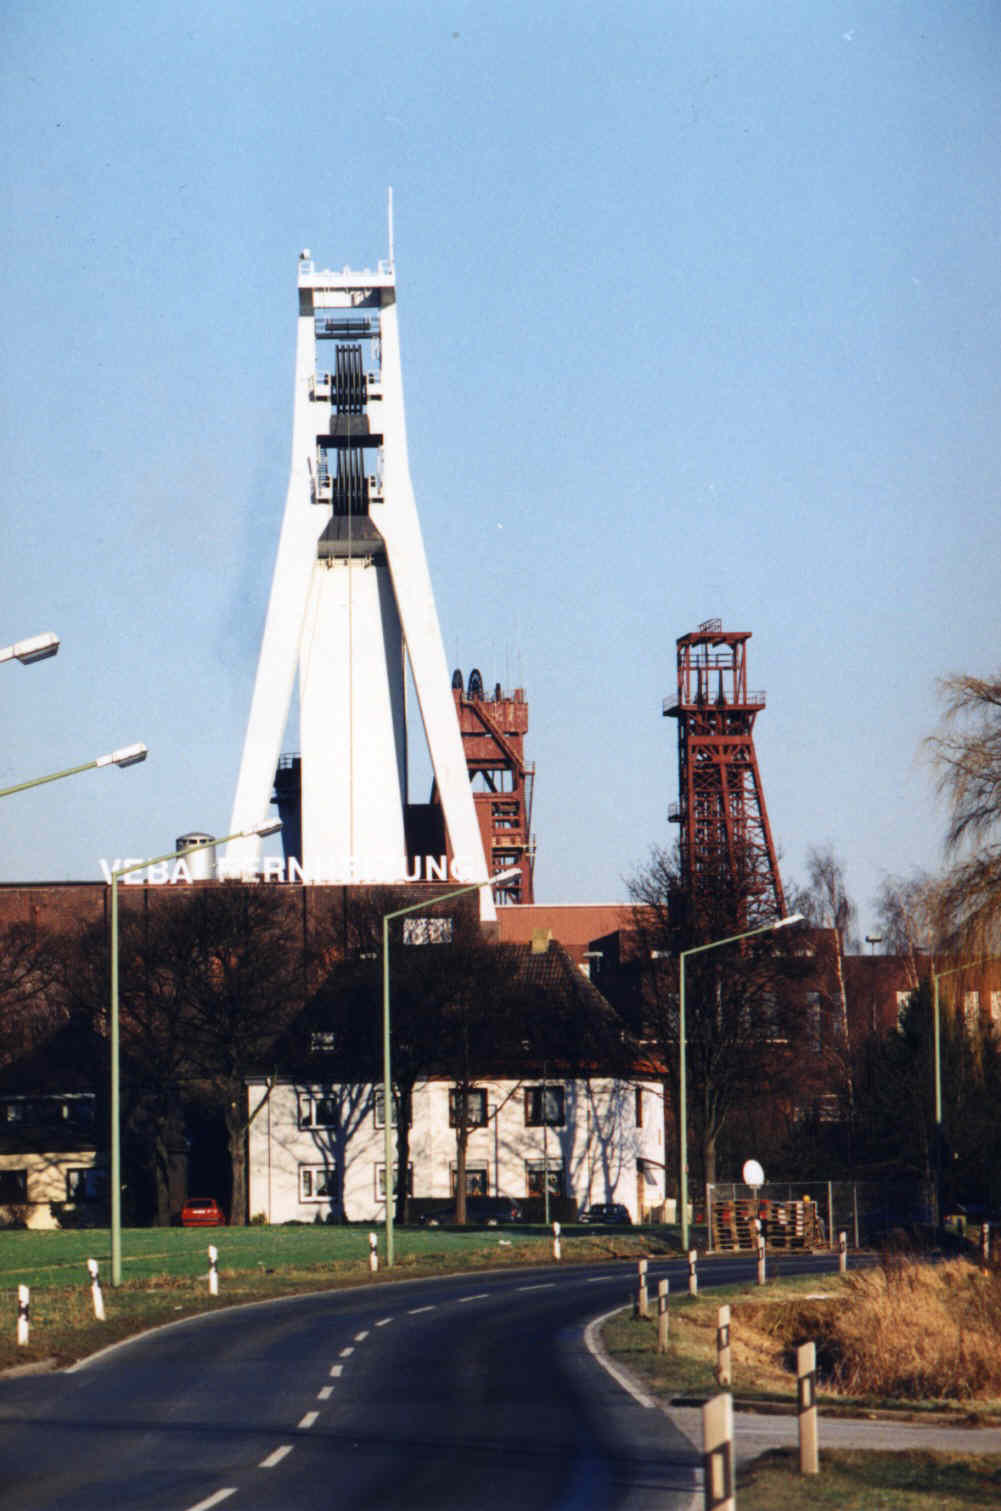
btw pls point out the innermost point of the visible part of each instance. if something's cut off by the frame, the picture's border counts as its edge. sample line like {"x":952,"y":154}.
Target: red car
{"x":202,"y":1212}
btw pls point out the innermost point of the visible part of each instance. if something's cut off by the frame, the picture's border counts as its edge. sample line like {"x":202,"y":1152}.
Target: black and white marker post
{"x":95,"y":1290}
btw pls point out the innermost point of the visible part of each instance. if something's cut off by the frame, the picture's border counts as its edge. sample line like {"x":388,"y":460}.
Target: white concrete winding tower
{"x":351,"y":602}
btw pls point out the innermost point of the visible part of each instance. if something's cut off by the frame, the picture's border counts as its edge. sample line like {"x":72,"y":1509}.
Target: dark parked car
{"x":611,"y":1213}
{"x":202,"y":1212}
{"x":481,"y":1212}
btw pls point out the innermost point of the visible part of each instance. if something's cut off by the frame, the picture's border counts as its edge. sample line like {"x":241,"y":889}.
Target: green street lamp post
{"x":129,"y":755}
{"x":269,"y":826}
{"x":715,"y":944}
{"x":387,"y":1077}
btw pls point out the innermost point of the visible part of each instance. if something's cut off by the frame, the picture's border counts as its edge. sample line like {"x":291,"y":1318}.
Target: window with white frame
{"x":319,"y":1110}
{"x":379,"y":1107}
{"x":467,"y":1108}
{"x":477,"y":1180}
{"x":545,"y":1106}
{"x":317,"y":1183}
{"x":996,"y":1010}
{"x":903,"y":1001}
{"x":538,"y":1172}
{"x":13,"y":1186}
{"x":971,"y":1010}
{"x":380,"y":1181}
{"x":86,"y":1184}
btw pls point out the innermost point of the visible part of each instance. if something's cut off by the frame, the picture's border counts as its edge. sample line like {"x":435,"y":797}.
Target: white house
{"x":319,"y":1149}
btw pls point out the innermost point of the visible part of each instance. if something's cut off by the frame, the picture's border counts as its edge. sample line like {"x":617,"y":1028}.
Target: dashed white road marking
{"x":547,"y":1285}
{"x":384,"y":1321}
{"x":346,"y":1353}
{"x":273,"y":1459}
{"x":415,"y":1311}
{"x":325,"y":1393}
{"x":360,"y":1337}
{"x":482,"y":1296}
{"x":336,"y":1369}
{"x":214,"y":1500}
{"x":308,"y":1420}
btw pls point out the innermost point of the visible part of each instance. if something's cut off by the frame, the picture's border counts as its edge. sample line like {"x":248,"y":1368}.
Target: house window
{"x":86,"y":1185}
{"x":317,"y":1183}
{"x":477,"y":1183}
{"x":427,"y":930}
{"x":537,"y":1172}
{"x":639,"y":1106}
{"x":971,"y":1010}
{"x":379,"y":1107}
{"x":13,"y":1186}
{"x":545,"y":1106}
{"x":318,"y":1111}
{"x":321,"y":1042}
{"x":903,"y":1002}
{"x":380,"y":1181}
{"x":996,"y":1009}
{"x":467,"y":1109}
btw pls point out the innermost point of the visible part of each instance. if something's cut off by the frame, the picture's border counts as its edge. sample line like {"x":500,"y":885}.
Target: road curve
{"x":474,"y":1391}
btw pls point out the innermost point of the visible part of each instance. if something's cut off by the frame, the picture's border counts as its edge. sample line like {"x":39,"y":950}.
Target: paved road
{"x":473,"y":1392}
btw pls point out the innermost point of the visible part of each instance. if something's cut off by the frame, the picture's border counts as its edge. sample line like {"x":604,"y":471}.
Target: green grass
{"x":858,"y":1481}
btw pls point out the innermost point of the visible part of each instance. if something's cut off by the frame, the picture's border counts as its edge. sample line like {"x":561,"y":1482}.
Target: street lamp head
{"x":128,"y":755}
{"x":37,"y":648}
{"x":265,"y":827}
{"x":508,"y":875}
{"x":790,"y":918}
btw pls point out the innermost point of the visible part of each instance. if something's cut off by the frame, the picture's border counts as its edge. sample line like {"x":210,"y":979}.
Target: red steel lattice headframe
{"x":729,"y":873}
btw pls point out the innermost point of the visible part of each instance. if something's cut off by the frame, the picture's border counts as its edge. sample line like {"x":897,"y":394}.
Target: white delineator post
{"x":723,"y":1370}
{"x":806,"y":1389}
{"x":351,"y":603}
{"x":213,"y":1270}
{"x":557,"y":1247}
{"x":373,"y":1253}
{"x":693,"y":1279}
{"x":663,"y":1321}
{"x":95,"y":1290}
{"x":717,"y":1457}
{"x":642,"y":1299}
{"x":842,"y":1252}
{"x":760,"y":1245}
{"x":23,"y":1314}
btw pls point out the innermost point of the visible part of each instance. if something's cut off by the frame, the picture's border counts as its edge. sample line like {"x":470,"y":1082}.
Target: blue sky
{"x":699,"y":306}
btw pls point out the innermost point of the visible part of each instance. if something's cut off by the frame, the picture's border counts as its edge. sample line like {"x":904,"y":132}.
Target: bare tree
{"x":907,"y":910}
{"x":825,"y":903}
{"x":32,"y":1004}
{"x":967,"y":755}
{"x":744,"y":1005}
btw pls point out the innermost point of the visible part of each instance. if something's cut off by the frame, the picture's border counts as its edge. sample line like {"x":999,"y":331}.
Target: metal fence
{"x":811,"y":1214}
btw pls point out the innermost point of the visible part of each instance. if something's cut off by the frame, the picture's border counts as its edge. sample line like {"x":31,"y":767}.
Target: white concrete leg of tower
{"x":351,"y":722}
{"x":400,"y":527}
{"x":276,"y":669}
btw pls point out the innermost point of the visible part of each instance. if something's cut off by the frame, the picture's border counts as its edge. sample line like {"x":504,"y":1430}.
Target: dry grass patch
{"x":905,"y":1333}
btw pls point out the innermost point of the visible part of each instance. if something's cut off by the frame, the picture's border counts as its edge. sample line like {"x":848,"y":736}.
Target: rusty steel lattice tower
{"x":493,"y":728}
{"x":729,"y":873}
